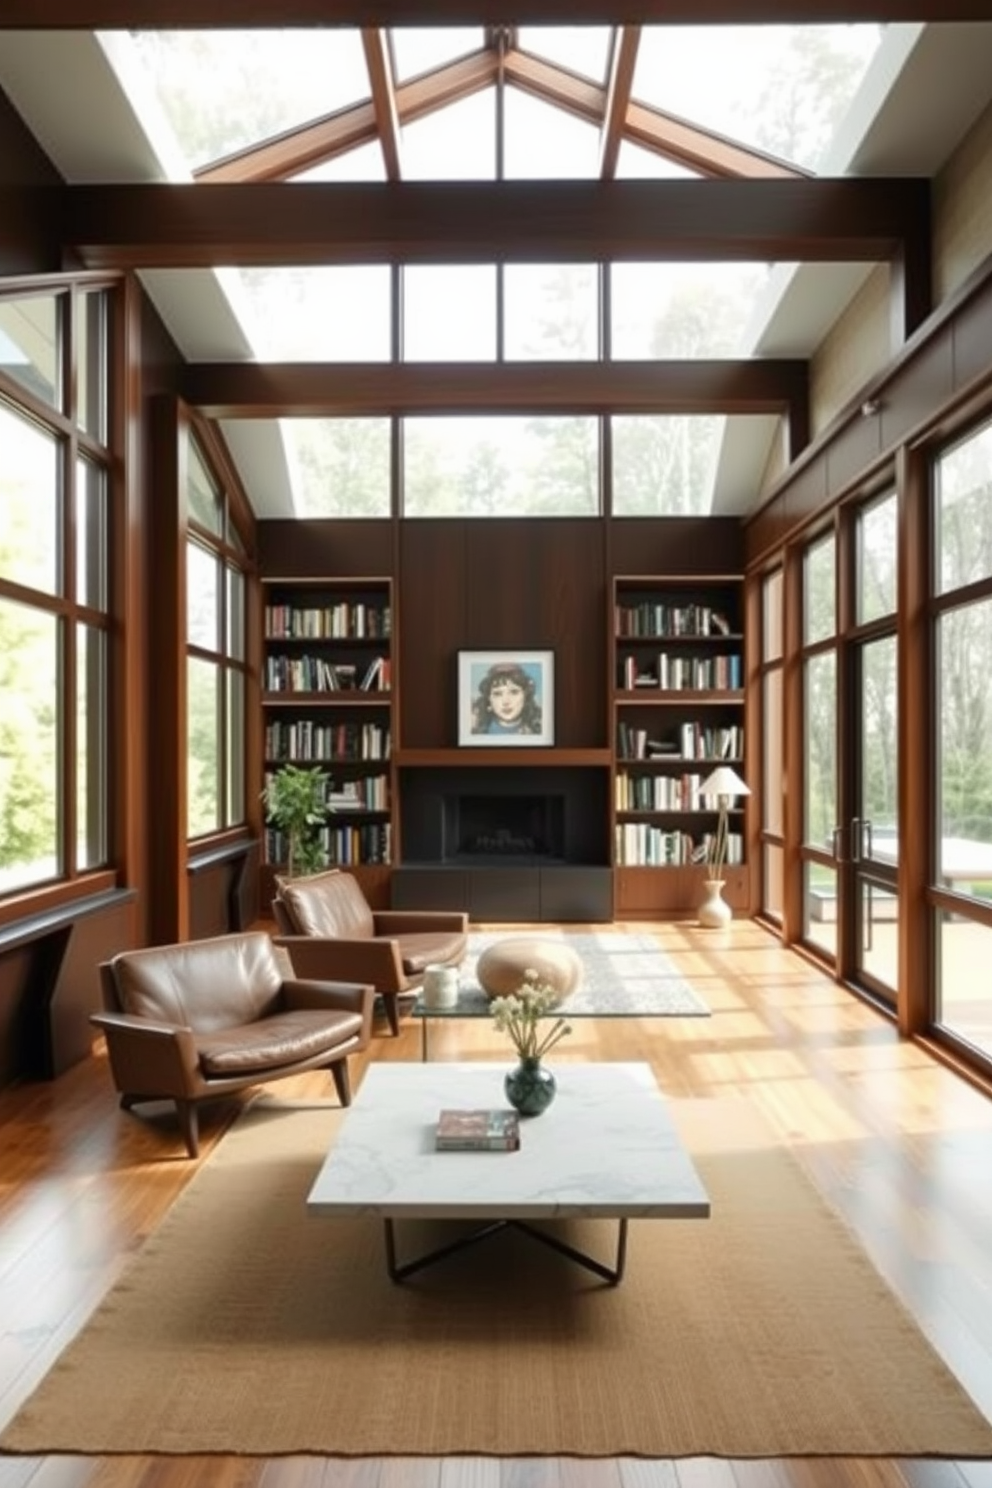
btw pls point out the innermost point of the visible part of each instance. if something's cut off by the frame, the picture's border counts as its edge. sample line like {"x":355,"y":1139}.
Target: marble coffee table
{"x":607,"y":1148}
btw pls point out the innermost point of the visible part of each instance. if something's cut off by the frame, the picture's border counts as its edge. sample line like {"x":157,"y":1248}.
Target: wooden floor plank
{"x":895,"y":1141}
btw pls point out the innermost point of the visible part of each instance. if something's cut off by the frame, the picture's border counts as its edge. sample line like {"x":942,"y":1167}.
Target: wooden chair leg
{"x":342,"y":1081}
{"x":392,"y":1004}
{"x":189,"y":1125}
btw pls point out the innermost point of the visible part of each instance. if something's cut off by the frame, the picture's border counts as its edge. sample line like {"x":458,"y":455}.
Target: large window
{"x":216,"y":658}
{"x":820,"y":802}
{"x":963,"y":679}
{"x":54,"y":586}
{"x":772,"y":744}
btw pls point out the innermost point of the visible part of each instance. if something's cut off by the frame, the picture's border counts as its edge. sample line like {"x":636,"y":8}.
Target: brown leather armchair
{"x":205,"y":1018}
{"x":329,"y":930}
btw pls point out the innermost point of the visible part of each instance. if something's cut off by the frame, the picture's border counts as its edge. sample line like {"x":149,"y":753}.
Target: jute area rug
{"x":245,"y":1325}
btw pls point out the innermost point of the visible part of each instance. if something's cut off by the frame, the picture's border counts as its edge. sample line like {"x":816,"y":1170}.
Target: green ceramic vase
{"x":530,"y":1087}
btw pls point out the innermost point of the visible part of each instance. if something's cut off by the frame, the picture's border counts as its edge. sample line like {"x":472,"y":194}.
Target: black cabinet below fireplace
{"x":567,"y":893}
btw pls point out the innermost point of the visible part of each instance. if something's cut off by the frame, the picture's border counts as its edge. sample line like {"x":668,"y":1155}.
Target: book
{"x":478,"y":1131}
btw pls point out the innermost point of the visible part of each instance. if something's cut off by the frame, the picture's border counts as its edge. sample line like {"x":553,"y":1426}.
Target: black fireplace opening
{"x":495,"y":829}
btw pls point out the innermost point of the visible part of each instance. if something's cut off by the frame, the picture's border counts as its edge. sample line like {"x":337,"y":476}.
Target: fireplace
{"x":504,"y":816}
{"x":479,"y":828}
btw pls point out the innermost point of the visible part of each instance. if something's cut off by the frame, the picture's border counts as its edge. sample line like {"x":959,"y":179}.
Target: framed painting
{"x":506,"y":697}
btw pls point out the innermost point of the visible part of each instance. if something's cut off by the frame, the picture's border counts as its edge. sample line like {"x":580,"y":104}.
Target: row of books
{"x":303,"y":741}
{"x":367,"y":793}
{"x":651,"y":619}
{"x":677,"y":673}
{"x":662,"y":793}
{"x":345,"y":846}
{"x":691,"y":740}
{"x":317,"y":674}
{"x":641,"y":845}
{"x":348,"y":620}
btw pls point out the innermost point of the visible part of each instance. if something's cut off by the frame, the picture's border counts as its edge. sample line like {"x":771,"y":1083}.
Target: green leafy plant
{"x":296,"y":802}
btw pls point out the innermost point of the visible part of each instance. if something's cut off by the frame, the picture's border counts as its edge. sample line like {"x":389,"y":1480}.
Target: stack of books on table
{"x":478,"y":1131}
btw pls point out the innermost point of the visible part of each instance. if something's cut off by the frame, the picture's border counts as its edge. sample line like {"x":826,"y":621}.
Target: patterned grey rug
{"x":624,"y":976}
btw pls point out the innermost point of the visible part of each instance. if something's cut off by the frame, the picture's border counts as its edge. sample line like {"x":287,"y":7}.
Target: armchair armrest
{"x":150,"y":1058}
{"x":328,"y":959}
{"x":345,"y":997}
{"x":418,"y":921}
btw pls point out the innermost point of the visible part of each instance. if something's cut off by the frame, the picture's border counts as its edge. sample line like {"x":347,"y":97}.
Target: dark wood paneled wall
{"x":29,"y":240}
{"x":494,"y":583}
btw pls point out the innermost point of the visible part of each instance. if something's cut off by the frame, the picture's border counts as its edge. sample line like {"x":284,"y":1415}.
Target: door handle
{"x":856,"y":839}
{"x":835,"y":843}
{"x":866,"y":837}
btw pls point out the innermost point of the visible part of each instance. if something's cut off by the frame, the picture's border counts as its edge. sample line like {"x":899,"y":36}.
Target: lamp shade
{"x":723,"y":781}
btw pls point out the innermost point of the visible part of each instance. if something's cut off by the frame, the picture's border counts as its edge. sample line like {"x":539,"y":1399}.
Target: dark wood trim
{"x":76,"y":15}
{"x":502,"y":757}
{"x":916,"y":745}
{"x":173,"y":226}
{"x":248,"y":389}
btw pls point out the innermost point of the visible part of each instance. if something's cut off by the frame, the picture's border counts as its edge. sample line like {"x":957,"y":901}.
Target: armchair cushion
{"x":330,"y":903}
{"x":256,"y":1048}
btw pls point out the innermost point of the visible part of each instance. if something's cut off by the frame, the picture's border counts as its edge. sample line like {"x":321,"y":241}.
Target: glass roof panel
{"x":417,"y":50}
{"x":364,"y":163}
{"x":225,"y":90}
{"x":457,"y":143}
{"x":780,"y":89}
{"x":634,"y":163}
{"x":544,"y":143}
{"x":582,"y":49}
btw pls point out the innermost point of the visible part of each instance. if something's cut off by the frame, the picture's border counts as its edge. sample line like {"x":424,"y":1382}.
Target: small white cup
{"x":440,"y":986}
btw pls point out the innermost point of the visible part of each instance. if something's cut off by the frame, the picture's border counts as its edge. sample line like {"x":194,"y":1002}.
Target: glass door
{"x":869,"y":865}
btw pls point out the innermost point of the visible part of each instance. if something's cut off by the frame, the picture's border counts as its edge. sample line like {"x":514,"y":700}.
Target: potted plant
{"x":296,"y":802}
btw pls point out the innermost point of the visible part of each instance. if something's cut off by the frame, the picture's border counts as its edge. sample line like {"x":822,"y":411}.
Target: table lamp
{"x":726,"y":785}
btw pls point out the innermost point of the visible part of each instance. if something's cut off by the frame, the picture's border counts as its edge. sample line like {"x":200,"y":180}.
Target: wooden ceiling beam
{"x":623,"y":60}
{"x":699,"y":149}
{"x":306,"y":389}
{"x":91,"y":15}
{"x":375,"y":44}
{"x":867,"y":219}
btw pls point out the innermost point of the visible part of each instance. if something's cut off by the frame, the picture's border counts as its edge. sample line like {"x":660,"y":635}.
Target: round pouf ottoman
{"x":501,"y":967}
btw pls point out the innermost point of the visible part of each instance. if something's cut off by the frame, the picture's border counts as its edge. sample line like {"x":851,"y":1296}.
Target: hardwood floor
{"x":898,"y":1143}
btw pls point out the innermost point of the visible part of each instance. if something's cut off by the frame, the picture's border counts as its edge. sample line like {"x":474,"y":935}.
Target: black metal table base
{"x":400,"y":1270}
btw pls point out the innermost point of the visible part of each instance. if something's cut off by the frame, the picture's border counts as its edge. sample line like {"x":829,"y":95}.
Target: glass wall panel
{"x":91,"y":535}
{"x":202,"y":598}
{"x":203,"y":501}
{"x":819,"y":591}
{"x":663,"y":463}
{"x":235,"y":613}
{"x":342,"y":466}
{"x":449,"y":313}
{"x":91,"y":364}
{"x":30,"y":733}
{"x":820,"y":906}
{"x":235,"y":808}
{"x":30,"y":345}
{"x":772,"y":758}
{"x":879,"y":795}
{"x":501,"y":466}
{"x":30,"y":505}
{"x":91,"y":747}
{"x":820,"y":728}
{"x":331,"y":313}
{"x":772,"y":617}
{"x":963,"y":512}
{"x":551,"y":312}
{"x":543,"y":142}
{"x":879,"y":926}
{"x":877,"y":556}
{"x":204,"y":762}
{"x":661,"y":310}
{"x":964,"y":1000}
{"x":964,"y":770}
{"x":774,"y":881}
